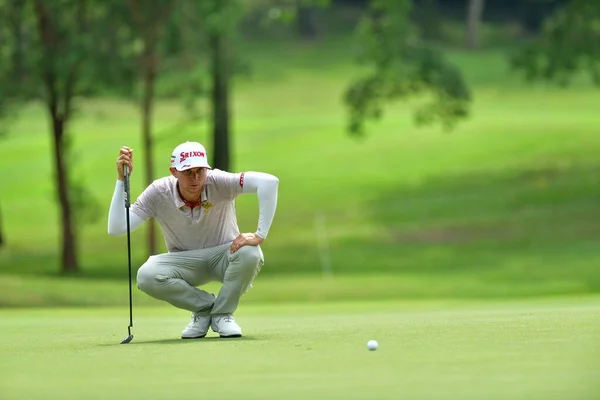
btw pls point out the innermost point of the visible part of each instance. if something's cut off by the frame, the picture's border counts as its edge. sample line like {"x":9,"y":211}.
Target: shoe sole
{"x":193,"y":337}
{"x":231,"y":336}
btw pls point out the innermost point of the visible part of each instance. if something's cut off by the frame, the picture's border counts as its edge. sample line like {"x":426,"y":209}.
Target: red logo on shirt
{"x":186,"y":154}
{"x":242,"y":179}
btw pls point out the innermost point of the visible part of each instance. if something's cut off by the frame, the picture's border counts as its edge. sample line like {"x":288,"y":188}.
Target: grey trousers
{"x":173,"y":277}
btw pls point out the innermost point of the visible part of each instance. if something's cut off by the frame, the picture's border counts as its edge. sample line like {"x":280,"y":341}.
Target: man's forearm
{"x":117,"y":224}
{"x":265,"y":186}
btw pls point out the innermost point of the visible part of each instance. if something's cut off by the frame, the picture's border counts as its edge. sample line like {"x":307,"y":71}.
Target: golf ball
{"x":372,"y":345}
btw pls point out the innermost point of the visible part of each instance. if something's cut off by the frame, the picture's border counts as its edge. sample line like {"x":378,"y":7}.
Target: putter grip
{"x":126,"y":185}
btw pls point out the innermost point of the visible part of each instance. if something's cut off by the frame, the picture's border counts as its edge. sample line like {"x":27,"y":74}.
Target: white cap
{"x":189,"y":155}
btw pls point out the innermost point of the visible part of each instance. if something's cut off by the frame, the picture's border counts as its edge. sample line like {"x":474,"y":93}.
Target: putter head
{"x":127,"y":339}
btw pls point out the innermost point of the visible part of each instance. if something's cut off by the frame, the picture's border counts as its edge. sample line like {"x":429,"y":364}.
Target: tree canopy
{"x":402,"y":67}
{"x":568,"y":45}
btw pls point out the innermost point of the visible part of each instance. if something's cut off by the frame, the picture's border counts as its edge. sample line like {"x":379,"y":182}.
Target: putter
{"x":127,"y":203}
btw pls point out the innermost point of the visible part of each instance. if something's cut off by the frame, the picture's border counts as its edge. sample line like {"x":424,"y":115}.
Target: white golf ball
{"x":372,"y":345}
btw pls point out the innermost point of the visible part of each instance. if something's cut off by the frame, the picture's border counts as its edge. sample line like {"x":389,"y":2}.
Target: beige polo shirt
{"x":211,"y":224}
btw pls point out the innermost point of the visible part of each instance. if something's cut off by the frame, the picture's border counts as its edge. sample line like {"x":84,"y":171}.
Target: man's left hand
{"x":243,"y":239}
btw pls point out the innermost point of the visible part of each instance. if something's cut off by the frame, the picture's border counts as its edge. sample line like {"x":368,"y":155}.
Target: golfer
{"x":195,"y":207}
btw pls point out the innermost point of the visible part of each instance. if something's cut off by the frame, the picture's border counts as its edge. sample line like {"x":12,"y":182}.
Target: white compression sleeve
{"x":117,"y":224}
{"x":265,"y":186}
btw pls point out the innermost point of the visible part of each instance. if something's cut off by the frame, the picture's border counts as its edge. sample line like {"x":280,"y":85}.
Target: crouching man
{"x":195,"y":207}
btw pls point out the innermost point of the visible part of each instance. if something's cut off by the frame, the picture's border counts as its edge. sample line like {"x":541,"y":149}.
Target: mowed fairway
{"x":535,"y":349}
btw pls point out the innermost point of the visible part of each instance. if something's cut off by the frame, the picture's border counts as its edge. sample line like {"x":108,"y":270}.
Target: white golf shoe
{"x":225,"y":326}
{"x":197,"y":328}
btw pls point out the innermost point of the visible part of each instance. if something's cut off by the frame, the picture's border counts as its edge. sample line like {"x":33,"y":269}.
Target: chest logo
{"x":206,"y":205}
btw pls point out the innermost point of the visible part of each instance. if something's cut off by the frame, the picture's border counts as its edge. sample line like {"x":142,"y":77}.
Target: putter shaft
{"x":127,"y":204}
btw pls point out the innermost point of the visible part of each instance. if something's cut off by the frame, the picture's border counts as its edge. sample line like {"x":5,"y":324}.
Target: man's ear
{"x":173,"y":172}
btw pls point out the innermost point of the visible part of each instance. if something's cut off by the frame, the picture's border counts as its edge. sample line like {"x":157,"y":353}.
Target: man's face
{"x":190,"y":181}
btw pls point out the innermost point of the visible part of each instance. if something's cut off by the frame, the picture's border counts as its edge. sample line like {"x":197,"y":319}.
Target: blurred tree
{"x":187,"y":47}
{"x":474,"y":15}
{"x":534,"y":12}
{"x":16,"y":22}
{"x":219,"y":22}
{"x":429,"y":19}
{"x":62,"y":29}
{"x":3,"y":128}
{"x":11,"y":67}
{"x":1,"y":230}
{"x":56,"y":52}
{"x":568,"y":45}
{"x":150,"y":18}
{"x":306,"y":17}
{"x":220,"y":69}
{"x":400,"y":68}
{"x":306,"y":21}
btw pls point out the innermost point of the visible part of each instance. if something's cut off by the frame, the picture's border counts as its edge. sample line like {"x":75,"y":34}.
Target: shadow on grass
{"x":526,"y":210}
{"x":491,"y":204}
{"x":211,"y":339}
{"x":509,"y":225}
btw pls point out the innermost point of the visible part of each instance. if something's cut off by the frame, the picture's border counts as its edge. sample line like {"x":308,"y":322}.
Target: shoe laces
{"x":228,"y":318}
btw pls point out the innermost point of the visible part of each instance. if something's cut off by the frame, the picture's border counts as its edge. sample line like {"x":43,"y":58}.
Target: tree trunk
{"x":474,"y":14}
{"x":1,"y":231}
{"x":58,"y":119}
{"x":149,"y":76}
{"x":220,"y":73}
{"x":18,"y":59}
{"x":149,"y":18}
{"x":306,"y":22}
{"x":429,"y":20}
{"x":69,"y":252}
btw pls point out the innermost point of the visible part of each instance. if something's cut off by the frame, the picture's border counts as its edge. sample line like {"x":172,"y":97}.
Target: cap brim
{"x":190,"y":166}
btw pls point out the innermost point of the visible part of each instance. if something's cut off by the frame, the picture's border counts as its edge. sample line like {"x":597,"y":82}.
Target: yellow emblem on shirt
{"x":206,"y":205}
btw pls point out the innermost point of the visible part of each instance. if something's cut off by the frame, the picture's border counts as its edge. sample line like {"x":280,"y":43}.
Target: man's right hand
{"x":125,"y":157}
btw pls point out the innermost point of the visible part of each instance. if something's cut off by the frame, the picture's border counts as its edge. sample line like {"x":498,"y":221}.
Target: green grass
{"x":44,"y":291}
{"x":450,"y":249}
{"x":508,"y":200}
{"x":542,"y":349}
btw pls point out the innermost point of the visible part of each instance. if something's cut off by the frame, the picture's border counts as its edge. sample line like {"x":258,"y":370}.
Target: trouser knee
{"x":250,"y":258}
{"x":146,"y":278}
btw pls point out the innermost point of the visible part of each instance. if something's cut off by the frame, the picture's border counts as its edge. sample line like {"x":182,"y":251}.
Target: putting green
{"x":534,"y":349}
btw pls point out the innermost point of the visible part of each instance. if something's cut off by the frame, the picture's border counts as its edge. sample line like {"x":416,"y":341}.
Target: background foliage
{"x":502,"y":204}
